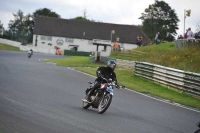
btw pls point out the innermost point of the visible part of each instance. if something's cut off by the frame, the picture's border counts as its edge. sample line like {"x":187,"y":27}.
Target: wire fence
{"x":183,"y":43}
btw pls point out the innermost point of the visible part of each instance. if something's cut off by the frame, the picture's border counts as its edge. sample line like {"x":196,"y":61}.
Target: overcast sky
{"x":108,"y":11}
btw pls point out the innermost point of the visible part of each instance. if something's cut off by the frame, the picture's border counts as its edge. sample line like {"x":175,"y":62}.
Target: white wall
{"x":128,"y":46}
{"x":9,"y":42}
{"x":83,"y":45}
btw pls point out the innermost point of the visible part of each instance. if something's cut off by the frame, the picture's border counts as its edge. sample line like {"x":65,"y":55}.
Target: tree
{"x":16,"y":26}
{"x":1,"y":29}
{"x":159,"y":17}
{"x":45,"y":12}
{"x":84,"y":18}
{"x":198,"y":27}
{"x":40,"y":12}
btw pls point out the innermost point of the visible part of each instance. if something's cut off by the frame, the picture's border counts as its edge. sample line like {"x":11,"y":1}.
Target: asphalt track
{"x":37,"y":97}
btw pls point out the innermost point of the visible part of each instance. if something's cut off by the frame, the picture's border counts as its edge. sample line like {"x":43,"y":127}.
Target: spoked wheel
{"x":29,"y":55}
{"x":104,"y":103}
{"x":85,"y":105}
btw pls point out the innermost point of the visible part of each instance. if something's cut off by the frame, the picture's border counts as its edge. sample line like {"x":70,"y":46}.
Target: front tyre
{"x":29,"y":55}
{"x":104,"y":103}
{"x":86,"y":105}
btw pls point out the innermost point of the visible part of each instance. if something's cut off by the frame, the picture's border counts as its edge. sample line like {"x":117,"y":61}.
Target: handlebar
{"x":116,"y":85}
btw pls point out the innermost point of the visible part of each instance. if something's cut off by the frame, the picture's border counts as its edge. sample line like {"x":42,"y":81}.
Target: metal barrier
{"x":106,"y":59}
{"x":185,"y":81}
{"x":125,"y":63}
{"x":181,"y":43}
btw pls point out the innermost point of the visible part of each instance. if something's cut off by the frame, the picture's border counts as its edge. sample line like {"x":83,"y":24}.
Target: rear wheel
{"x":104,"y":103}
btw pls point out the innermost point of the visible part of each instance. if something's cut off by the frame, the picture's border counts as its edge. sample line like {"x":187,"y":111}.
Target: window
{"x":43,"y":38}
{"x":90,"y":42}
{"x":49,"y":38}
{"x":69,"y":40}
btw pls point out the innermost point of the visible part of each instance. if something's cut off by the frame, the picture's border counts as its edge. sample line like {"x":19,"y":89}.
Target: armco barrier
{"x":186,"y":81}
{"x":106,"y":59}
{"x":125,"y":63}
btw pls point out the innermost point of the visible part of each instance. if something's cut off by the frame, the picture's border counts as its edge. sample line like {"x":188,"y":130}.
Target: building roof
{"x":87,"y":30}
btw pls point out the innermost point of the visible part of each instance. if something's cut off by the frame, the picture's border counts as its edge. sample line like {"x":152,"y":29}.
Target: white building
{"x":84,"y":35}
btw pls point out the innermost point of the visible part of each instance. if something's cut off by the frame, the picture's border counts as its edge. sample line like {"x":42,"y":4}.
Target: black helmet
{"x":111,"y":64}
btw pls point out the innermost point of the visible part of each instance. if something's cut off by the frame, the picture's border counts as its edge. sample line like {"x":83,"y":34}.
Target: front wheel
{"x":104,"y":103}
{"x":86,"y":105}
{"x":29,"y":55}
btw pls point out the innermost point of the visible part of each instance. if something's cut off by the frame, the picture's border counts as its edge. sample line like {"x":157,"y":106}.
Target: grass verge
{"x":8,"y":47}
{"x":186,"y":59}
{"x":127,"y":78}
{"x":74,"y":61}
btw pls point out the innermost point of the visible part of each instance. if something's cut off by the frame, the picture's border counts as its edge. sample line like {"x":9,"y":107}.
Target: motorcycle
{"x":30,"y":54}
{"x":102,"y":97}
{"x":198,"y":124}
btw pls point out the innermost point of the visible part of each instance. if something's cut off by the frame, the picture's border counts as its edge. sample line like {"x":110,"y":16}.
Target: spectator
{"x":119,"y":47}
{"x":157,"y":38}
{"x":180,"y":37}
{"x":197,"y":35}
{"x":139,"y":41}
{"x":115,"y":46}
{"x":185,"y":35}
{"x":190,"y":35}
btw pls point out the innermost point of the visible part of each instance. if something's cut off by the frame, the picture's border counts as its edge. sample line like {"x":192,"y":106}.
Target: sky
{"x":108,"y":11}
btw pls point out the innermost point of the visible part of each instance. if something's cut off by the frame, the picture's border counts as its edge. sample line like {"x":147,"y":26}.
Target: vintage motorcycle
{"x":102,"y":97}
{"x":198,"y":125}
{"x":30,"y":53}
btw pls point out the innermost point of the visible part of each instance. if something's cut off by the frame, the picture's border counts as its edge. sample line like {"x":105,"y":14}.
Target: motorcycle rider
{"x":103,"y":72}
{"x":30,"y":52}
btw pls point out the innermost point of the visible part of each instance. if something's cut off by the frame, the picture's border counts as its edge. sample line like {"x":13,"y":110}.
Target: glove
{"x":117,"y":86}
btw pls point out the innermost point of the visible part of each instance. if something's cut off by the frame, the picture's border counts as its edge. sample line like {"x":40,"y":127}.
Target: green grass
{"x":186,"y":59}
{"x":74,"y":61}
{"x":8,"y":47}
{"x":127,"y":78}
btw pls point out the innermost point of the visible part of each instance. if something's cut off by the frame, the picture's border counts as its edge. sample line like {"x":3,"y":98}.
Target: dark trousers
{"x":96,"y":86}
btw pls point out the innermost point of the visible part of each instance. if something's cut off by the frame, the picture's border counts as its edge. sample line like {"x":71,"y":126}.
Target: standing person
{"x":157,"y":38}
{"x":190,"y":35}
{"x":115,"y":46}
{"x":139,"y":41}
{"x":119,"y":47}
{"x":185,"y":35}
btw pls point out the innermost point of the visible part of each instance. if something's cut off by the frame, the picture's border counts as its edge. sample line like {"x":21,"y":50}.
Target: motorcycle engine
{"x":96,"y":102}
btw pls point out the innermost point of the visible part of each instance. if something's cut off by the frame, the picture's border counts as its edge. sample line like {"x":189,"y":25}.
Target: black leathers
{"x":103,"y":72}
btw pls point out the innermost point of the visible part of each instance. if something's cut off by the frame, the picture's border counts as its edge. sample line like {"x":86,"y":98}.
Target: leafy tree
{"x":159,"y":17}
{"x":1,"y":29}
{"x":45,"y":12}
{"x":16,"y":26}
{"x":39,"y":12}
{"x":21,"y":28}
{"x":80,"y":18}
{"x":198,"y":27}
